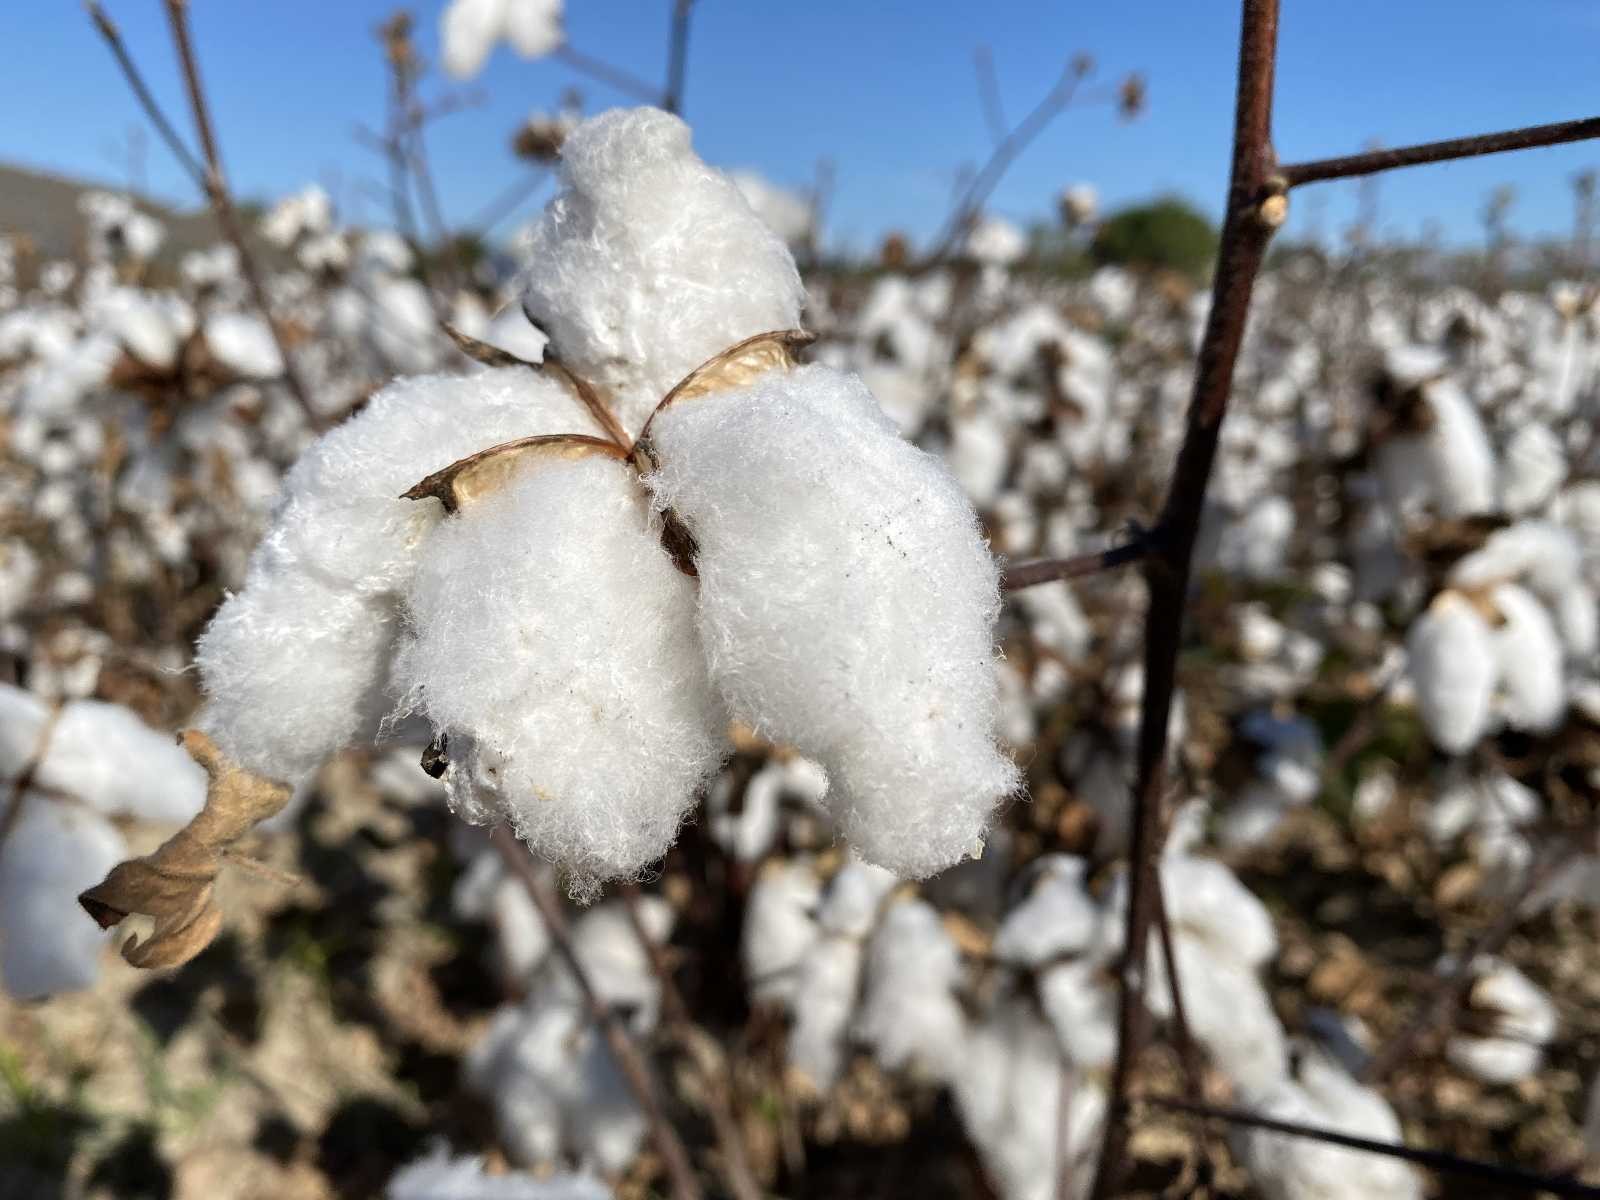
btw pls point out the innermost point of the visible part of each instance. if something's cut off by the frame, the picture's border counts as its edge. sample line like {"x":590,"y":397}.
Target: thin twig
{"x":677,"y":56}
{"x":1439,"y":1010}
{"x":735,"y":1162}
{"x":614,"y":77}
{"x":216,"y":189}
{"x":175,"y":143}
{"x":635,"y":1069}
{"x":1434,"y":1160}
{"x":1048,"y":570}
{"x":1246,"y":230}
{"x":1374,"y":161}
{"x":994,"y":113}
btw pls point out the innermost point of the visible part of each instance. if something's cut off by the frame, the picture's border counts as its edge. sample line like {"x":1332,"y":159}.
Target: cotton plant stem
{"x":1047,"y":570}
{"x":1438,"y":1011}
{"x":216,"y":188}
{"x":1373,"y":161}
{"x":1252,"y":214}
{"x":677,"y":56}
{"x":635,"y":1069}
{"x":735,"y":1164}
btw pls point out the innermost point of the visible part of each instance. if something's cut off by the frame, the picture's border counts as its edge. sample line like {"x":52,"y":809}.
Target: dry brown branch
{"x":175,"y":884}
{"x":1047,"y":570}
{"x":635,"y":1069}
{"x":1373,"y":161}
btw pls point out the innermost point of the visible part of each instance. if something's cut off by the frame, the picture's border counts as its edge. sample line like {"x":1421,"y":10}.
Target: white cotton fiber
{"x":438,"y":1176}
{"x":1528,"y":652}
{"x":1451,"y":658}
{"x":1534,"y":467}
{"x":1017,"y":1097}
{"x":821,"y":1003}
{"x":53,"y":851}
{"x":1057,"y":918}
{"x":552,"y":642}
{"x":1521,"y":1018}
{"x":1080,"y":1002}
{"x":909,"y":1014}
{"x":470,"y":28}
{"x":779,"y":928}
{"x":294,"y":666}
{"x":1283,"y":1167}
{"x":243,"y":343}
{"x":617,"y":962}
{"x":649,"y":262}
{"x":105,"y":756}
{"x":847,"y":605}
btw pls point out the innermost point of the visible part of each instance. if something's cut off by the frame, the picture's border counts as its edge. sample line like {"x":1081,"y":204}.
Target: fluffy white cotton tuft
{"x":295,"y":665}
{"x":469,"y":29}
{"x":649,"y":262}
{"x":1057,"y":918}
{"x":1528,"y":652}
{"x":1520,"y":1016}
{"x":52,"y":851}
{"x":847,"y":605}
{"x":909,"y":1014}
{"x":1451,"y":657}
{"x":780,"y":926}
{"x":552,"y":643}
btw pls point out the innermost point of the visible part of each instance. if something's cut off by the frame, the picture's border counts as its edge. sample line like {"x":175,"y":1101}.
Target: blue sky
{"x":884,"y":88}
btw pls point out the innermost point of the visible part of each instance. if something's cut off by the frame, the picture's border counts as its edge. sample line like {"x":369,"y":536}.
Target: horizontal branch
{"x":1048,"y":570}
{"x":1374,"y":161}
{"x":1434,"y":1160}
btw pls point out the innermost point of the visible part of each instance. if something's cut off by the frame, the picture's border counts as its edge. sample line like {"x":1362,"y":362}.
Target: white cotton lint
{"x":1056,"y":918}
{"x":846,"y":605}
{"x":320,"y":599}
{"x":1452,"y":662}
{"x":1528,"y":651}
{"x":821,"y":1003}
{"x":780,"y":926}
{"x":649,"y":263}
{"x":909,"y":1015}
{"x":438,"y":1176}
{"x":551,"y":642}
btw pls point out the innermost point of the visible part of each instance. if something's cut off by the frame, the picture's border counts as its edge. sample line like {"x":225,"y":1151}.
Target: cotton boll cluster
{"x":1516,"y":1018}
{"x":470,"y":29}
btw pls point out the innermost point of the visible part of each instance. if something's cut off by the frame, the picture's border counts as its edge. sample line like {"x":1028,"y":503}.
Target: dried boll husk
{"x":847,"y":604}
{"x":295,"y":666}
{"x":551,"y":645}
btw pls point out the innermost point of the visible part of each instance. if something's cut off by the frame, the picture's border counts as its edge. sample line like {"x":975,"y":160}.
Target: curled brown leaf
{"x":174,"y":885}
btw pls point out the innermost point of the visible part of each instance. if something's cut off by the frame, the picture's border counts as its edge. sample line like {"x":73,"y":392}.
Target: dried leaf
{"x":174,"y":884}
{"x":468,"y":479}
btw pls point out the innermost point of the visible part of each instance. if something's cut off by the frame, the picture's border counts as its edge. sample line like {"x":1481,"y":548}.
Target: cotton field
{"x":664,"y":709}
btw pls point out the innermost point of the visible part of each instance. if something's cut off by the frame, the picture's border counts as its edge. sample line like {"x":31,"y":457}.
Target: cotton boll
{"x":1521,"y":1015}
{"x":438,"y":1176}
{"x":566,"y":676}
{"x":1015,"y":1096}
{"x":1453,"y":666}
{"x":1533,"y":469}
{"x":1081,"y":1005}
{"x":649,"y":262}
{"x":1528,"y":654}
{"x":616,"y":960}
{"x":1055,"y":620}
{"x":105,"y":756}
{"x":847,"y":605}
{"x":909,"y":1015}
{"x":1546,"y":556}
{"x":1283,"y":1167}
{"x":822,"y":1001}
{"x":1057,"y":917}
{"x":321,"y":597}
{"x":1205,"y":898}
{"x":243,"y":343}
{"x":151,"y":327}
{"x":306,"y":213}
{"x":995,"y":241}
{"x":1227,"y":1009}
{"x":980,"y":455}
{"x":1460,"y":457}
{"x":52,"y":851}
{"x":779,"y":929}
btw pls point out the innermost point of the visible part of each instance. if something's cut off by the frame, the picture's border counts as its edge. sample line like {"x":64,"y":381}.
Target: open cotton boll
{"x":847,"y":605}
{"x":1461,"y":460}
{"x":1453,"y":666}
{"x":1080,"y":1003}
{"x":1016,"y":1097}
{"x":1205,"y":898}
{"x":1283,"y":1167}
{"x":1534,"y":466}
{"x":822,"y":1001}
{"x":779,"y":928}
{"x":909,"y":1015}
{"x":551,"y":643}
{"x":469,"y":29}
{"x":151,"y":327}
{"x":649,"y":262}
{"x":1057,"y":917}
{"x":1227,"y":1009}
{"x":320,"y":600}
{"x":105,"y":756}
{"x":1528,"y":653}
{"x":243,"y":343}
{"x":979,"y":454}
{"x":1522,"y":1018}
{"x":51,"y":852}
{"x":438,"y":1176}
